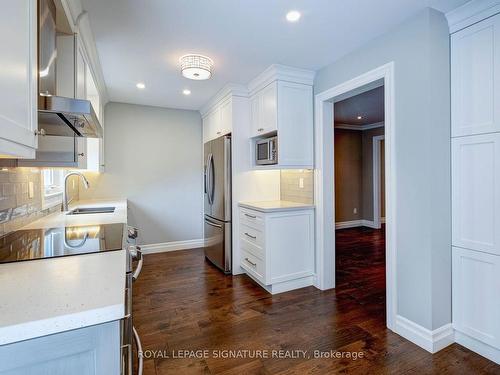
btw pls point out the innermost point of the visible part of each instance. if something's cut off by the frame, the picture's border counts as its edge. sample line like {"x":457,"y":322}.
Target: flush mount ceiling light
{"x":186,"y":92}
{"x":196,"y":67}
{"x":140,"y":86}
{"x":293,"y":16}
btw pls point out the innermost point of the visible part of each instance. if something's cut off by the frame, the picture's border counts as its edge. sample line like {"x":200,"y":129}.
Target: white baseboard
{"x":171,"y":246}
{"x":348,"y":224}
{"x":354,"y":224}
{"x":477,"y":346}
{"x":432,"y":341}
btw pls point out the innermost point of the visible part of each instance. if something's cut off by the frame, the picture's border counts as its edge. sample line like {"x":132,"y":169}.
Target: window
{"x":53,"y":181}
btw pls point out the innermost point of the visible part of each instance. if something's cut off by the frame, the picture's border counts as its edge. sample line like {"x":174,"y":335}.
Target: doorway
{"x":325,"y":180}
{"x":359,"y":198}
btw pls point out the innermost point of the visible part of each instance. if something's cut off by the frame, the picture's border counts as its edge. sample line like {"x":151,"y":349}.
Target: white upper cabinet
{"x":282,"y":104}
{"x":264,"y":105}
{"x":226,"y":113}
{"x":476,"y":192}
{"x":295,"y":125}
{"x":218,"y":121}
{"x":475,"y":78}
{"x":18,"y":78}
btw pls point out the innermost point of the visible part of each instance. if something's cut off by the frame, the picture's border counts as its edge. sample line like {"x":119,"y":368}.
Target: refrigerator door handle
{"x":212,"y":179}
{"x":213,"y":224}
{"x":208,"y":178}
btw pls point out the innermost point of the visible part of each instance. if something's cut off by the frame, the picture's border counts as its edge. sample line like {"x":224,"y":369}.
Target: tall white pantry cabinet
{"x":475,"y":147}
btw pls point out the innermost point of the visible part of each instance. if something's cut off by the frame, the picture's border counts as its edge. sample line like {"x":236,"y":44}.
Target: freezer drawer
{"x":218,"y":243}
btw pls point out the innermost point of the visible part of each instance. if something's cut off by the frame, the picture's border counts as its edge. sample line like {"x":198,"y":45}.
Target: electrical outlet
{"x":301,"y":183}
{"x":355,"y":211}
{"x":31,"y":190}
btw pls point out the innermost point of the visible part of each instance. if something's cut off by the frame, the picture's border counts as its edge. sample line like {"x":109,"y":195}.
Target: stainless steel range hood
{"x":62,"y":116}
{"x":57,"y":115}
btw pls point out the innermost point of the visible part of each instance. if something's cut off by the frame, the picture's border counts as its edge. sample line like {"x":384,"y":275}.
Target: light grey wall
{"x":420,"y":51}
{"x":153,"y":158}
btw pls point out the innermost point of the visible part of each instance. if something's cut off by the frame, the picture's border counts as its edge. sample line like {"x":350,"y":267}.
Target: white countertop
{"x":275,"y":206}
{"x":47,"y":296}
{"x":60,"y":219}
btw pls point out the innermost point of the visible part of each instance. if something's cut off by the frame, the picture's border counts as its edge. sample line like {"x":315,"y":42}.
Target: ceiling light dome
{"x":196,"y":67}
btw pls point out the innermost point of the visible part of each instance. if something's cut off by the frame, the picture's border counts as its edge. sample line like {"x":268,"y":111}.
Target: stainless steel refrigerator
{"x":217,"y":210}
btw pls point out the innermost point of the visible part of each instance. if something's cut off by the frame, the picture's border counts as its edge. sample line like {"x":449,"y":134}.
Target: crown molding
{"x":231,"y":89}
{"x":282,"y":73}
{"x":471,"y":13}
{"x":271,"y":74}
{"x":359,"y":127}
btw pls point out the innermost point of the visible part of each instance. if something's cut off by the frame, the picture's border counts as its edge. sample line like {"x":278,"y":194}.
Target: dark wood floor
{"x":183,"y":303}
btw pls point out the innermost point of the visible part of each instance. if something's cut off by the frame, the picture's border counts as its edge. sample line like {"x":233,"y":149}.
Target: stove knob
{"x":132,"y":233}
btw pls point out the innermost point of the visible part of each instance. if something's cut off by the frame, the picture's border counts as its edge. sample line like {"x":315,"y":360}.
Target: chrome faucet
{"x":65,"y":193}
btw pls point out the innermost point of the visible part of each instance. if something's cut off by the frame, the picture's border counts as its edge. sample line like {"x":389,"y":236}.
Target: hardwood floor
{"x":182,"y":303}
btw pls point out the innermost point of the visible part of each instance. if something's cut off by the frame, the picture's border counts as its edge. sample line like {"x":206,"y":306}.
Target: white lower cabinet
{"x":277,"y":248}
{"x":476,"y":301}
{"x":87,"y":351}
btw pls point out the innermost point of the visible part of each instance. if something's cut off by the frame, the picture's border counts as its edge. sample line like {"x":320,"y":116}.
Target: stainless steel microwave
{"x":266,"y":151}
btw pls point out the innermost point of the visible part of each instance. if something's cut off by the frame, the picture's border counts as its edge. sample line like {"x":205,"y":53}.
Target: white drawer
{"x":252,"y":235}
{"x":252,"y":248}
{"x":253,"y":265}
{"x":251,"y":218}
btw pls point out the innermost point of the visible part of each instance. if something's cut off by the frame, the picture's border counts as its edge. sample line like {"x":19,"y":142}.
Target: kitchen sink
{"x":91,"y":210}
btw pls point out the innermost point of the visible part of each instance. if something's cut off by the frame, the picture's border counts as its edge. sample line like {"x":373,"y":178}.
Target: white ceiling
{"x":141,"y":41}
{"x":369,"y":105}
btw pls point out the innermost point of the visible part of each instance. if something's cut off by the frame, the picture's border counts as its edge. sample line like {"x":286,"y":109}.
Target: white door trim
{"x":377,"y":202}
{"x":324,"y":182}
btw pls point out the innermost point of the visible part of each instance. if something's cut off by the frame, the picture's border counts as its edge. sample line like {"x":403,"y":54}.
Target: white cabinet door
{"x":475,"y":78}
{"x":226,"y":122}
{"x":476,"y":302}
{"x":476,"y":192}
{"x":295,"y":119}
{"x":264,"y":105}
{"x":92,"y":350}
{"x":81,"y":72}
{"x":211,"y":125}
{"x":18,"y":80}
{"x":255,"y":115}
{"x":269,"y":108}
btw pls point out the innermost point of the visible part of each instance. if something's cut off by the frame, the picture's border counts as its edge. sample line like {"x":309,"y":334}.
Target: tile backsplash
{"x":292,"y":189}
{"x":17,"y":206}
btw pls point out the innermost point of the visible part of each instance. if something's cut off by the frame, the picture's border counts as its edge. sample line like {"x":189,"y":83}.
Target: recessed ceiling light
{"x":140,"y":86}
{"x":293,"y":16}
{"x":197,"y":67}
{"x":360,"y":117}
{"x":186,"y":92}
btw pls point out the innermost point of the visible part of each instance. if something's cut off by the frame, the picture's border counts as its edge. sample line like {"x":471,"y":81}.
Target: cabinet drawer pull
{"x":251,"y":216}
{"x":260,"y":129}
{"x":250,"y":262}
{"x":249,"y":235}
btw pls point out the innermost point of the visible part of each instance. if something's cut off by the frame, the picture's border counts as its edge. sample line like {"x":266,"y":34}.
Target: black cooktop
{"x":32,"y":244}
